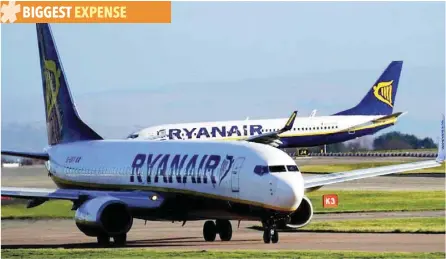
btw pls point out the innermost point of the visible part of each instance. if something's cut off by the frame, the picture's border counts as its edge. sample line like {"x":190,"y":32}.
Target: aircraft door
{"x":235,"y":179}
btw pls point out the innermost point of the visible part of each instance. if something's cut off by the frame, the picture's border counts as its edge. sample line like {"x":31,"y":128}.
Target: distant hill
{"x":33,"y":137}
{"x":23,"y":137}
{"x":117,"y":113}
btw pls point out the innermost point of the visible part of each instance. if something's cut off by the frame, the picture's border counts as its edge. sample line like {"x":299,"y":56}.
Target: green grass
{"x":360,"y":201}
{"x":349,"y":201}
{"x":394,"y":225}
{"x":331,"y":168}
{"x":149,"y":253}
{"x":50,"y":209}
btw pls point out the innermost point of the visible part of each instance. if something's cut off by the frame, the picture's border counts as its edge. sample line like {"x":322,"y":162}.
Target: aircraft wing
{"x":272,"y":138}
{"x":34,"y":155}
{"x":312,"y":183}
{"x":133,"y":199}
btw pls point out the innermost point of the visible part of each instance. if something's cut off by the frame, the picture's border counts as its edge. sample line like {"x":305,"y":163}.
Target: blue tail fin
{"x":62,"y":120}
{"x":381,"y":98}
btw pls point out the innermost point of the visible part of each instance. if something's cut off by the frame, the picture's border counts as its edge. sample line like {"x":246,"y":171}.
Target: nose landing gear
{"x":270,"y":233}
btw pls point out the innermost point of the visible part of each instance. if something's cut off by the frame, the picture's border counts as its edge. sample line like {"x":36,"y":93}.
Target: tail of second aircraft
{"x":62,"y":120}
{"x":381,"y":97}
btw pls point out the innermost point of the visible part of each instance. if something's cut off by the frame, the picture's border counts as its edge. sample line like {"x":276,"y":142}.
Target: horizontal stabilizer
{"x":381,"y":120}
{"x":395,"y":115}
{"x":34,"y":155}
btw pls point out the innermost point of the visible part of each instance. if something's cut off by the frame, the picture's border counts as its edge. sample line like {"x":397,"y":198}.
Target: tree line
{"x":394,"y":140}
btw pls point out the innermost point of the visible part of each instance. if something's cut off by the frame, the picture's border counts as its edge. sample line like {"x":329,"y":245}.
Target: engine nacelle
{"x":303,"y":215}
{"x":103,"y":215}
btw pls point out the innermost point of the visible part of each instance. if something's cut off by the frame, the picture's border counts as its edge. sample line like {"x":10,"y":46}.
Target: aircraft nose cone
{"x":290,"y":192}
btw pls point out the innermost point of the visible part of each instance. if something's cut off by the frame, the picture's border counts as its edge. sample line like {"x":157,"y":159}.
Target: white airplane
{"x":113,"y":182}
{"x":372,"y":114}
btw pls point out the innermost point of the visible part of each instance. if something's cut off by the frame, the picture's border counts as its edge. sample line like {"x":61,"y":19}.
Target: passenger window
{"x":292,"y":168}
{"x":277,"y":168}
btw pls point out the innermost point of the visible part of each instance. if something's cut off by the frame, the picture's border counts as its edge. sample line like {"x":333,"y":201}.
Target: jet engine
{"x":301,"y":217}
{"x":103,"y":216}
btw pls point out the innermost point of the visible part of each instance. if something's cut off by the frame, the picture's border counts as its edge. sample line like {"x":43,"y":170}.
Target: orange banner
{"x":85,"y":12}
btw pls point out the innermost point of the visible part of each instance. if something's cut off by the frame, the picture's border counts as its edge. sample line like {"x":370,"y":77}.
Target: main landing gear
{"x":222,"y":227}
{"x":119,"y":240}
{"x":270,"y":233}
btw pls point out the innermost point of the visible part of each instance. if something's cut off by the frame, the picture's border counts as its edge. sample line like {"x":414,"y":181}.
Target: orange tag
{"x":85,"y":12}
{"x":330,"y":200}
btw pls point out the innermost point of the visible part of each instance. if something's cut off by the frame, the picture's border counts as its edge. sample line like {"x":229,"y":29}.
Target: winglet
{"x":289,"y":124}
{"x":441,"y":153}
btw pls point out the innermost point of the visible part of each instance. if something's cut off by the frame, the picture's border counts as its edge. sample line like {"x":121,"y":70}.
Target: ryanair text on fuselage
{"x":168,"y":168}
{"x":221,"y":131}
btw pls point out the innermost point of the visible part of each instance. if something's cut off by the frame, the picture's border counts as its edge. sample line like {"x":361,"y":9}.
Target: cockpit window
{"x":161,"y":133}
{"x":132,"y":136}
{"x":277,"y":168}
{"x":292,"y":168}
{"x":261,"y":169}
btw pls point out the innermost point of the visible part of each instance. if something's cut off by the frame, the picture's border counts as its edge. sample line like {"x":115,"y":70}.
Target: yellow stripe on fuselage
{"x":376,"y":124}
{"x":105,"y":186}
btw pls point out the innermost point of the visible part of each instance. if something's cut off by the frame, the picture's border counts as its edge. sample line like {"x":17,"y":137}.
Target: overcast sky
{"x":229,"y":60}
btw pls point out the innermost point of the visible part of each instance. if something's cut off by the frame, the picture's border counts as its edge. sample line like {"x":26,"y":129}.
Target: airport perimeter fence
{"x":365,"y":154}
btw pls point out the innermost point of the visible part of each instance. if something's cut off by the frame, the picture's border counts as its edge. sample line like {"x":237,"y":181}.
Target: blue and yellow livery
{"x":372,"y":114}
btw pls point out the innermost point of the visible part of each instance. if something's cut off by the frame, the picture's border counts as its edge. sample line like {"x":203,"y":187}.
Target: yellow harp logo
{"x":52,"y":75}
{"x":54,"y":117}
{"x":383,"y":92}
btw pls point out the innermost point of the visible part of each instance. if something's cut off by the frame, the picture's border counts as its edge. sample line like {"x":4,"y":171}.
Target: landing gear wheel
{"x":267,"y":236}
{"x":275,"y":237}
{"x":224,"y":229}
{"x":209,"y":231}
{"x":120,"y":240}
{"x":103,"y":240}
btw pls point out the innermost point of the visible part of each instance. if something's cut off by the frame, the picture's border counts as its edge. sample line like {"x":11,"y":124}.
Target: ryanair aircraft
{"x":372,"y":114}
{"x":113,"y":182}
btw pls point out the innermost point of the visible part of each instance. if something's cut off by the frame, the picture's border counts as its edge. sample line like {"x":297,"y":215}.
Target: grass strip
{"x":349,"y":201}
{"x":333,"y":168}
{"x":150,"y":253}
